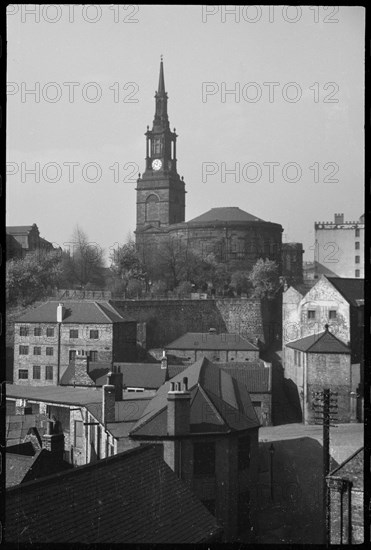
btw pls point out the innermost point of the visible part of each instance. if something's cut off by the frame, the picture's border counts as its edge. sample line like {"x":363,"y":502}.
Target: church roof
{"x":226,"y":214}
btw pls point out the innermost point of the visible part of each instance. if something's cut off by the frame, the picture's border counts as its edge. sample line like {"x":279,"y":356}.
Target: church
{"x":230,"y":233}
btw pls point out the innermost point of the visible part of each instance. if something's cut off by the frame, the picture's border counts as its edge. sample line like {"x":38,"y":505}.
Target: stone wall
{"x":167,"y":320}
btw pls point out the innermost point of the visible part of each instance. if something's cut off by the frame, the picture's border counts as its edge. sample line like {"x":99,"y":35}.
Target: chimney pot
{"x":172,"y":384}
{"x":60,"y":313}
{"x":185,"y":382}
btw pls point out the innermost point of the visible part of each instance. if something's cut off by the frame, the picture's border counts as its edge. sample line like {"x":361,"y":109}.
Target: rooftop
{"x":324,"y":342}
{"x":352,"y":469}
{"x":219,"y":404}
{"x":226,"y":214}
{"x":18,"y":425}
{"x":212,"y":341}
{"x":255,"y":376}
{"x":19,"y":229}
{"x":23,"y":468}
{"x":132,"y":497}
{"x":85,"y":311}
{"x":351,"y":289}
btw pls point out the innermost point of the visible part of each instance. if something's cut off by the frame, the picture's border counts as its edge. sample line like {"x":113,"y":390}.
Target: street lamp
{"x":271,"y":452}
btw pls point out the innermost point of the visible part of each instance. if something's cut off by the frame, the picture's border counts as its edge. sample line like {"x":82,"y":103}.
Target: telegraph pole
{"x":325,"y":406}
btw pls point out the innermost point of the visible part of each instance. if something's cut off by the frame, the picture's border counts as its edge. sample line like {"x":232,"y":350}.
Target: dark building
{"x":230,"y":233}
{"x":27,"y":239}
{"x":133,"y":497}
{"x":292,"y":262}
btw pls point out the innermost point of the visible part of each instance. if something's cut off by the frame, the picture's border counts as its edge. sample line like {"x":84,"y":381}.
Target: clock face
{"x":156,"y":164}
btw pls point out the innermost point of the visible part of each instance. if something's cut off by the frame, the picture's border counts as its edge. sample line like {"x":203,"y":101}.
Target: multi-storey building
{"x":339,"y":248}
{"x":48,"y":337}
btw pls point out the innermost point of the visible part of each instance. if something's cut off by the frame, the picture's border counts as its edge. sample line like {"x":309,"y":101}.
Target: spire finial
{"x":162,"y":57}
{"x":161,"y":81}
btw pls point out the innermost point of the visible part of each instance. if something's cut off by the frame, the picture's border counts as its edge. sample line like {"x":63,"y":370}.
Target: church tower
{"x":160,"y":190}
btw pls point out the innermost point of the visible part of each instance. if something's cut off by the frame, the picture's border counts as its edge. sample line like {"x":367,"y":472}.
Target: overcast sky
{"x":309,"y":121}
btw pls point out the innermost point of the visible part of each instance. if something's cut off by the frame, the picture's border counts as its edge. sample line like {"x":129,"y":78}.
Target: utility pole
{"x":325,"y":406}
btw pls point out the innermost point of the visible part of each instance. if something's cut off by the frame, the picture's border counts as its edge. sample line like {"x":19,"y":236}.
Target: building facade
{"x":47,"y":338}
{"x":339,"y":248}
{"x":27,"y":239}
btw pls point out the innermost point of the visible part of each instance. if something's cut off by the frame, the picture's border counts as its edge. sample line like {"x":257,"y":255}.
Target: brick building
{"x":27,"y":238}
{"x":339,"y":247}
{"x":48,"y":337}
{"x":224,"y":347}
{"x":333,"y":300}
{"x":133,"y":497}
{"x":346,"y":501}
{"x":208,"y":428}
{"x":323,"y":361}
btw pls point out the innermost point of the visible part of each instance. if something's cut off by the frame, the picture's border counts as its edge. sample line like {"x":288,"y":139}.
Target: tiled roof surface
{"x":350,"y":289}
{"x":133,"y":497}
{"x":84,"y":311}
{"x":352,"y":469}
{"x":324,"y":342}
{"x":20,"y":468}
{"x":129,"y":409}
{"x":18,"y":229}
{"x":255,"y":376}
{"x":210,"y":341}
{"x":18,"y":425}
{"x":218,"y":403}
{"x":226,"y":214}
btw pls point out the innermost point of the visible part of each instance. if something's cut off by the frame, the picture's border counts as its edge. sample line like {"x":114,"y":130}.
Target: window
{"x":332,"y":314}
{"x":37,"y":331}
{"x":23,"y":331}
{"x":74,"y":333}
{"x":50,"y":332}
{"x":357,"y":245}
{"x":48,"y":372}
{"x":357,"y":273}
{"x":297,"y":358}
{"x":79,"y":439}
{"x":94,"y":334}
{"x":204,"y":459}
{"x":311,"y":314}
{"x":23,"y":350}
{"x":357,"y":232}
{"x":357,"y":260}
{"x":72,"y":354}
{"x":49,"y":351}
{"x":23,"y":374}
{"x":243,"y":453}
{"x":36,"y":372}
{"x":93,"y":356}
{"x":37,"y":350}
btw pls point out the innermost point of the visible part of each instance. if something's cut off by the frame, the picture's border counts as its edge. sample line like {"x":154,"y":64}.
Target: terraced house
{"x":48,"y":338}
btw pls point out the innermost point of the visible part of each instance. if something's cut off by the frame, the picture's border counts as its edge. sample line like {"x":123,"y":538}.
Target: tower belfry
{"x":160,"y":191}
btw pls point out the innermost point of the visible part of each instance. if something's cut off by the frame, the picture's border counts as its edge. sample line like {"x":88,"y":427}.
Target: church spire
{"x":161,"y":80}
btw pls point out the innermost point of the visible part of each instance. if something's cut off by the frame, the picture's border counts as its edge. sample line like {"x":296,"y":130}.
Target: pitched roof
{"x":351,"y":289}
{"x":219,"y":403}
{"x":85,"y":311}
{"x":132,"y":497}
{"x":21,"y":468}
{"x":256,"y":377}
{"x":324,"y":342}
{"x":352,"y":469}
{"x":226,"y":214}
{"x":211,"y":341}
{"x":17,"y":426}
{"x":19,"y":229}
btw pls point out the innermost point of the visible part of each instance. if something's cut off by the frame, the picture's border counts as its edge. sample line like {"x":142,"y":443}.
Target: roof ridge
{"x":98,"y":305}
{"x":209,"y":400}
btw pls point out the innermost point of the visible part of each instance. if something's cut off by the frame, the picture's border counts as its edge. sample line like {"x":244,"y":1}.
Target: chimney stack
{"x":339,"y":218}
{"x":164,"y":360}
{"x":178,"y":408}
{"x":53,"y":439}
{"x":108,"y":402}
{"x":60,"y":313}
{"x":115,"y":378}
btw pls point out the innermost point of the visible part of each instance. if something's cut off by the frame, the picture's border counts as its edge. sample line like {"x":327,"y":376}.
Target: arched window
{"x":152,"y":208}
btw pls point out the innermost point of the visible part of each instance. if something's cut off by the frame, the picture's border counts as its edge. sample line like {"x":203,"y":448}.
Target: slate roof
{"x":352,"y":469}
{"x":22,"y":468}
{"x":351,"y":289}
{"x":256,"y":377}
{"x":18,"y":425}
{"x":211,"y":341}
{"x":226,"y":214}
{"x":324,"y":342}
{"x":132,"y":497}
{"x":219,"y":404}
{"x":85,"y":311}
{"x":18,"y":229}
